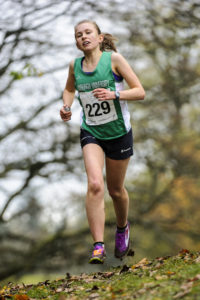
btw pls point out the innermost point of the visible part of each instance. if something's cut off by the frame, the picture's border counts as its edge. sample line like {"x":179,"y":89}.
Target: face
{"x":87,"y":37}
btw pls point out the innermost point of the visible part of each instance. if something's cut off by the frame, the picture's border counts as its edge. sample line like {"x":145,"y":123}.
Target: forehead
{"x":84,"y":26}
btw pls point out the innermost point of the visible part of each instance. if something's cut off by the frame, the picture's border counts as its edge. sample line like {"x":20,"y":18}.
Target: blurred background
{"x":43,"y":226}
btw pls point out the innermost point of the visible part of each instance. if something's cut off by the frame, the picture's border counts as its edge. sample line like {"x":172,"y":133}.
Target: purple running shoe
{"x":98,"y":254}
{"x":122,"y":241}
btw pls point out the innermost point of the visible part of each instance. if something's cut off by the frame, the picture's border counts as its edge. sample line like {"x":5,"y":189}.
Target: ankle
{"x":99,"y":243}
{"x":121,"y":229}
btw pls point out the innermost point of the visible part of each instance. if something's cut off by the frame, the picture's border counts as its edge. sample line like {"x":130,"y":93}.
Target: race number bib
{"x":97,"y":112}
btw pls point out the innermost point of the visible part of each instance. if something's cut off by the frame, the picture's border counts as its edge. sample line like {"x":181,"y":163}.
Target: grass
{"x":164,"y":278}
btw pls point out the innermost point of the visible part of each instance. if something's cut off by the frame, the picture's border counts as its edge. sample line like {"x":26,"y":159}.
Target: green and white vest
{"x":103,"y":119}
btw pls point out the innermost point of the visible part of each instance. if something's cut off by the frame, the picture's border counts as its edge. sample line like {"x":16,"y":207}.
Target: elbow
{"x":143,"y":94}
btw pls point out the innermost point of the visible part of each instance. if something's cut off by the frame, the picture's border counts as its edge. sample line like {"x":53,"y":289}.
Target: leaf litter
{"x":168,"y":277}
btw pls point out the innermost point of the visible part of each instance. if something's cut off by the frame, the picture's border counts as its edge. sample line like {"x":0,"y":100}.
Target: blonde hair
{"x":109,"y":40}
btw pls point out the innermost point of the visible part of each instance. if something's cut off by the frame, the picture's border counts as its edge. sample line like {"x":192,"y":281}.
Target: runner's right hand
{"x":65,"y":115}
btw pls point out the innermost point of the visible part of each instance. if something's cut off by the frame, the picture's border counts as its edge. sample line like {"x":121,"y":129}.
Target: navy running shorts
{"x":119,"y":148}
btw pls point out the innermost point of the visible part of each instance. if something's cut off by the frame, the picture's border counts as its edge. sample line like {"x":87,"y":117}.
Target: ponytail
{"x":108,"y":43}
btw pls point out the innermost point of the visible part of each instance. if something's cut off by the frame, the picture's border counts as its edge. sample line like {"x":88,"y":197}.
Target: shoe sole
{"x":96,"y":260}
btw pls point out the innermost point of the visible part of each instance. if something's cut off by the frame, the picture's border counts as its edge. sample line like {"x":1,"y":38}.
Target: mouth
{"x":86,"y":43}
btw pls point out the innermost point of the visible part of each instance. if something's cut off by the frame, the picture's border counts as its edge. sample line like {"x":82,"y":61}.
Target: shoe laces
{"x":98,"y":250}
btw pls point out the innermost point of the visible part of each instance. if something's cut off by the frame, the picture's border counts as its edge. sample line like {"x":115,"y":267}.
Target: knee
{"x":95,"y":186}
{"x":116,"y":193}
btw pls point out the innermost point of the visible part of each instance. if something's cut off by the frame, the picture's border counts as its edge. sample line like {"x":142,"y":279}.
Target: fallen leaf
{"x":150,"y":285}
{"x":142,"y":291}
{"x":62,"y":297}
{"x":125,"y":268}
{"x":184,"y":251}
{"x":197,"y":277}
{"x":21,"y":297}
{"x":108,"y":274}
{"x":158,"y":265}
{"x":113,"y":296}
{"x":187,"y":286}
{"x":162,"y":258}
{"x":151,"y":273}
{"x":88,"y":280}
{"x":161,"y":277}
{"x":59,"y":290}
{"x":197,"y":260}
{"x":169,"y":273}
{"x":109,"y":288}
{"x":68,"y":290}
{"x":93,"y":296}
{"x":143,"y":263}
{"x":181,"y":294}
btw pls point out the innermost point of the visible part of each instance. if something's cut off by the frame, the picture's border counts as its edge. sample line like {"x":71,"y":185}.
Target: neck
{"x":91,"y":60}
{"x":93,"y":56}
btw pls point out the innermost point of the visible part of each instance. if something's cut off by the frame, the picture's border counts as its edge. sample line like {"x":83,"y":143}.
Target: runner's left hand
{"x":103,"y":94}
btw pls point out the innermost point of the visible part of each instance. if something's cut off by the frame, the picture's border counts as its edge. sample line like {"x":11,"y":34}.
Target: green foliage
{"x":28,"y":71}
{"x":16,"y":75}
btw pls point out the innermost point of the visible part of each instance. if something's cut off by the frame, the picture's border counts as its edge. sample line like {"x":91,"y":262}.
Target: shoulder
{"x":71,"y":68}
{"x":119,"y":63}
{"x":71,"y":64}
{"x":116,"y":57}
{"x":76,"y":62}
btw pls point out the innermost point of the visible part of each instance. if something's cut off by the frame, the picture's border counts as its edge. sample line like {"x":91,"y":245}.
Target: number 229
{"x":96,"y":108}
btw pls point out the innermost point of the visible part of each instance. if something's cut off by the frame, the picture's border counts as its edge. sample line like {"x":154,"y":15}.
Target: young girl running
{"x":106,"y":134}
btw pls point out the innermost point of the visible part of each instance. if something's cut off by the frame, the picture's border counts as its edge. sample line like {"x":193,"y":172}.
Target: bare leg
{"x":94,"y":162}
{"x":115,"y":175}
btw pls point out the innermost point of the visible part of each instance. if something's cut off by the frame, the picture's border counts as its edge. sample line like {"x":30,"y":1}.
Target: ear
{"x":101,"y":37}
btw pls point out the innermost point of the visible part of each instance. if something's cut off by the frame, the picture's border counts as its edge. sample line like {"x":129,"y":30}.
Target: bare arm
{"x":68,"y":94}
{"x":121,"y":67}
{"x":135,"y":91}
